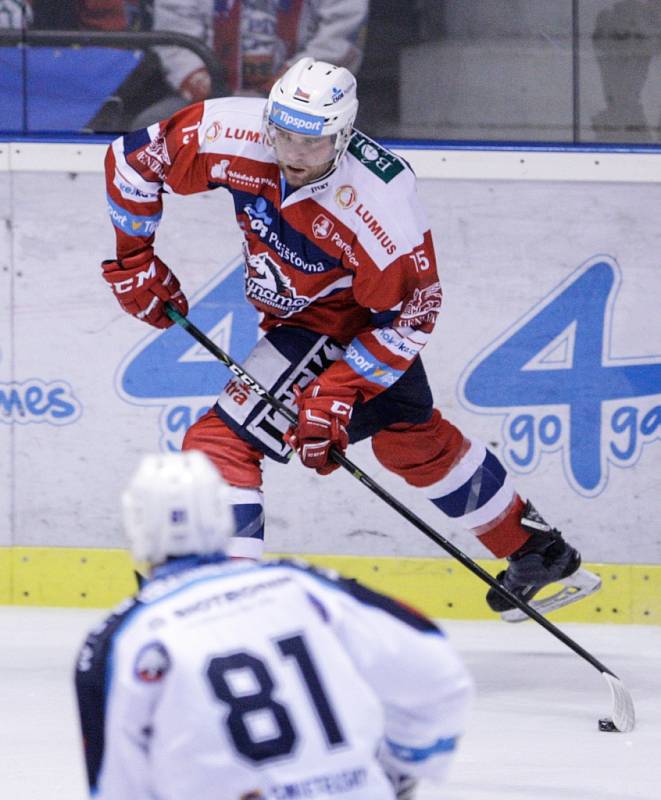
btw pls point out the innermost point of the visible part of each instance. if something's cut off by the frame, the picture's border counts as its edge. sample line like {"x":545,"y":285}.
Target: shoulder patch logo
{"x":381,"y":162}
{"x":213,"y":132}
{"x":345,"y":196}
{"x":152,"y":663}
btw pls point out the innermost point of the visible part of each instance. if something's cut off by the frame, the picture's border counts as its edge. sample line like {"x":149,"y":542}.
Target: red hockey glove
{"x":322,"y":424}
{"x":142,"y":285}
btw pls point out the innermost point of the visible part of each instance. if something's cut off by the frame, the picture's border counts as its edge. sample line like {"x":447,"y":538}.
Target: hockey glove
{"x":322,"y":424}
{"x":142,"y":285}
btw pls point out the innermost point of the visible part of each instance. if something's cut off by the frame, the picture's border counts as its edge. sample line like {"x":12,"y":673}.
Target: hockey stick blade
{"x":624,"y":714}
{"x":575,"y":587}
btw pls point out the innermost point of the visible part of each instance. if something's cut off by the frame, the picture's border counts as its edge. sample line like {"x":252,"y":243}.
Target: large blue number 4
{"x":555,"y":356}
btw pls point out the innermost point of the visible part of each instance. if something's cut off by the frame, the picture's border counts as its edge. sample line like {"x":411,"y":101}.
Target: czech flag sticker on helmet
{"x":296,"y":121}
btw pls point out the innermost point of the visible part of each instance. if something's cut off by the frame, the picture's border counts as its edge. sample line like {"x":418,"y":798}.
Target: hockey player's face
{"x":303,"y":159}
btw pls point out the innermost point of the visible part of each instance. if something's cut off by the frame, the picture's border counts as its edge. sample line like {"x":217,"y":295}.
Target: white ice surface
{"x":533,"y":732}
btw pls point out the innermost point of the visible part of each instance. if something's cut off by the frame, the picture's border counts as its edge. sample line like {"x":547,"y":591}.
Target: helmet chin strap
{"x":329,"y":171}
{"x":338,"y":155}
{"x":345,"y":137}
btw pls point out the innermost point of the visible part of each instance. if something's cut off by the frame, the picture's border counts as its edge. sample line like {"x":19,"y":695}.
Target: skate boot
{"x":545,"y":558}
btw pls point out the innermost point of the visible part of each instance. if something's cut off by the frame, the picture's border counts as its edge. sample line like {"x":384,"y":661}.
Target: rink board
{"x":440,"y":587}
{"x":548,"y":349}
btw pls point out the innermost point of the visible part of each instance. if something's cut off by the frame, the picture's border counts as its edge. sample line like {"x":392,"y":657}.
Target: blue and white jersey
{"x":231,"y":680}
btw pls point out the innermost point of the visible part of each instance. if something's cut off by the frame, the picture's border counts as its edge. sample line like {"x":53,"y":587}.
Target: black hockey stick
{"x":623,"y":714}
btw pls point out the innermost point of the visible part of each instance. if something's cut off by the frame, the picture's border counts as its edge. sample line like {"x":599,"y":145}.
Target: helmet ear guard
{"x":176,"y":504}
{"x":313,"y":98}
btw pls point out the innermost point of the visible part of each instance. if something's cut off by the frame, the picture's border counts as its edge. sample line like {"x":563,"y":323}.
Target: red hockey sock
{"x":237,"y":461}
{"x":504,"y":535}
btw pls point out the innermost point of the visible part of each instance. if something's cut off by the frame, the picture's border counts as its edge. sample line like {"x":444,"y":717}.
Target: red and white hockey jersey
{"x":349,"y":255}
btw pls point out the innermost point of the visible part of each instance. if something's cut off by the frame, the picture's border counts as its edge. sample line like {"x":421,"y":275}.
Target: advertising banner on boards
{"x":548,"y":348}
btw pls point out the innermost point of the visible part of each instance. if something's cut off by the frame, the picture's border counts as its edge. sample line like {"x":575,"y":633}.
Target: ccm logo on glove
{"x":143,"y":284}
{"x":136,"y":281}
{"x":340,"y":408}
{"x":322,"y":424}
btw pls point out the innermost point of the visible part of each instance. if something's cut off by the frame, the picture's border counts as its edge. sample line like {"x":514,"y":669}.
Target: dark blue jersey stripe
{"x":91,"y":682}
{"x":136,"y":140}
{"x":289,"y":245}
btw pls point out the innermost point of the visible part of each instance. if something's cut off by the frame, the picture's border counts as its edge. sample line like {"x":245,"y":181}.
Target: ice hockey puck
{"x":607,"y":725}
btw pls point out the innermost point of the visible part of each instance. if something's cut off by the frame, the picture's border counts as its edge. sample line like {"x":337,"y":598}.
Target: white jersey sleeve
{"x":422,"y":683}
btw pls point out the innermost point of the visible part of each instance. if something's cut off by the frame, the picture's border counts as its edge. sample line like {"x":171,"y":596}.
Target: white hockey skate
{"x":575,"y":587}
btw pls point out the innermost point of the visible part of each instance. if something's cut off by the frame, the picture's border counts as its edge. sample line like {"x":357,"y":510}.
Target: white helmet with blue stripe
{"x":314,"y":98}
{"x":176,"y":504}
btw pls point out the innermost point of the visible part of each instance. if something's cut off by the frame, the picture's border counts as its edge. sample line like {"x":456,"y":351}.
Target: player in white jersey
{"x":340,"y":262}
{"x":228,"y":680}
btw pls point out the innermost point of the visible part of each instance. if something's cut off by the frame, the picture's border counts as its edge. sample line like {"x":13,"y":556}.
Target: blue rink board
{"x":64,"y":87}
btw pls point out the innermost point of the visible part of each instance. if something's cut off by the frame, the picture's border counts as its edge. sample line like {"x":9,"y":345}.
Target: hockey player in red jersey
{"x":339,"y":259}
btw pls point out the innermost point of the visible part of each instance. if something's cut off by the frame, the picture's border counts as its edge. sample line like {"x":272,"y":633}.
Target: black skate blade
{"x":575,"y":587}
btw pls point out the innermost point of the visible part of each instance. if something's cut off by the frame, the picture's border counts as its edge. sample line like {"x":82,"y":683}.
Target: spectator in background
{"x":626,"y":37}
{"x":255,"y":41}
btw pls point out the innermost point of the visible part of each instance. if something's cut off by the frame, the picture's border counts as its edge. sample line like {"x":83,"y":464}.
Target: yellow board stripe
{"x":440,"y":587}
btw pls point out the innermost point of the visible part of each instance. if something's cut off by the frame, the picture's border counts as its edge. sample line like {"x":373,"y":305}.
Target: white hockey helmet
{"x":314,"y":98}
{"x":176,"y":504}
